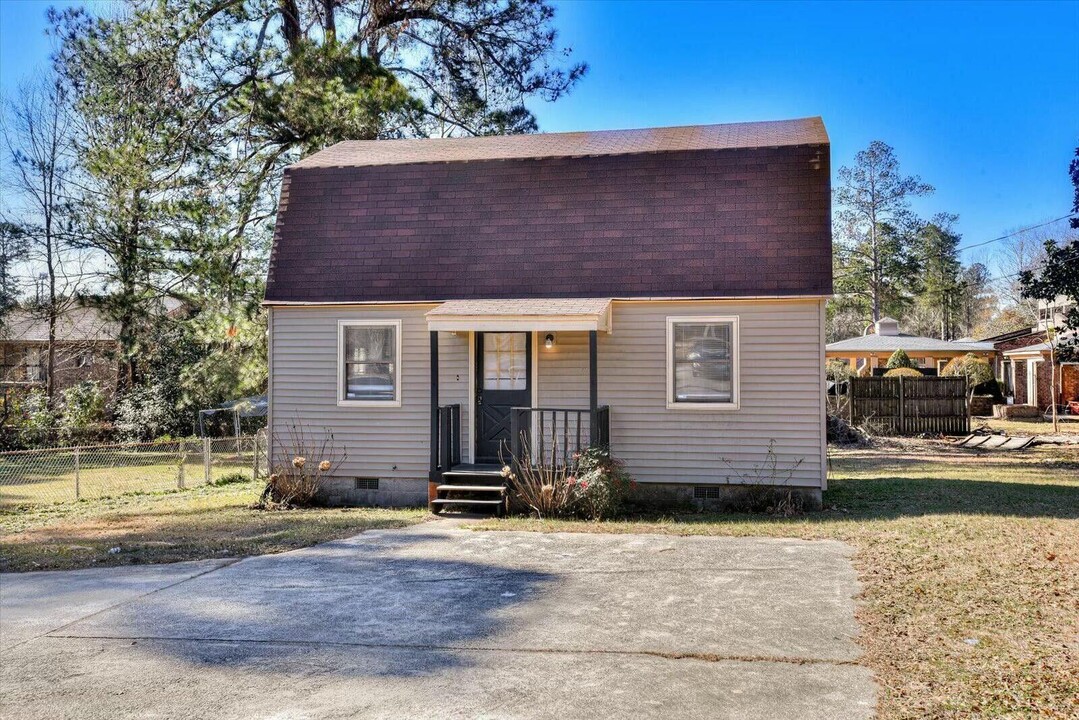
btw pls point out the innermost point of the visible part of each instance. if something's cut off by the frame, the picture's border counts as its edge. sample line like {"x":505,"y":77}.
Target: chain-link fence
{"x":66,"y":474}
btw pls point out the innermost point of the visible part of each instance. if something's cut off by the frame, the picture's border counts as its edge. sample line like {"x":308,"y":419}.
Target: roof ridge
{"x":716,"y":136}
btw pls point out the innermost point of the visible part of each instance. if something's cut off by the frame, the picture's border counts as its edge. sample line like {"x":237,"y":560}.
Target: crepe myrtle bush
{"x":904,"y":372}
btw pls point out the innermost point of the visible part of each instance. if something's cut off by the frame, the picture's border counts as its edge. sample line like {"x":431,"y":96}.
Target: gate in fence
{"x":911,"y":405}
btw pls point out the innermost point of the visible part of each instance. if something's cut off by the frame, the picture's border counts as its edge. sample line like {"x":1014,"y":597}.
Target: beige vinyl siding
{"x":562,"y":371}
{"x":781,"y":394}
{"x":383,"y":442}
{"x":562,"y":382}
{"x":781,"y":398}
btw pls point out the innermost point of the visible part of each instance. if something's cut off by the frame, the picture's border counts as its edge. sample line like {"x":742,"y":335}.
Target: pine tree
{"x":875,"y":230}
{"x":942,"y":283}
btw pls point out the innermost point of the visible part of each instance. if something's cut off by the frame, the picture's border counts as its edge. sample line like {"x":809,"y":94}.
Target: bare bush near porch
{"x":296,"y":482}
{"x":594,"y":486}
{"x":544,"y":488}
{"x":766,"y":486}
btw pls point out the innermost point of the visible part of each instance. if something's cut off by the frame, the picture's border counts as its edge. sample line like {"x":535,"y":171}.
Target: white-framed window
{"x":702,"y":363}
{"x":369,"y":363}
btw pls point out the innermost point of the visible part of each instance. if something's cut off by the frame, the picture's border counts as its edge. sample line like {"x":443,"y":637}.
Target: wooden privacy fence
{"x":911,"y":405}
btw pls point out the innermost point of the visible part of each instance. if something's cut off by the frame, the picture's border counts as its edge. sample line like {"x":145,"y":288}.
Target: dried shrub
{"x":904,"y":372}
{"x":840,"y":432}
{"x":970,"y":366}
{"x":296,"y":481}
{"x":765,"y":487}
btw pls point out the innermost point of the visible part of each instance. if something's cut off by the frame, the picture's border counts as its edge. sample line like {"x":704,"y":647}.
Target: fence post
{"x":78,"y":491}
{"x":206,"y":459}
{"x":902,"y":406}
{"x":180,"y":471}
{"x":255,"y":457}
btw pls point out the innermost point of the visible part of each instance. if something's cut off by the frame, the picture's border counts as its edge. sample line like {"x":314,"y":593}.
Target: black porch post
{"x":434,"y":406}
{"x":593,"y":372}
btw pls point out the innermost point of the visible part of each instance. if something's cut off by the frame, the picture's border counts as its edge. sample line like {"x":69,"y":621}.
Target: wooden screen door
{"x":503,"y":381}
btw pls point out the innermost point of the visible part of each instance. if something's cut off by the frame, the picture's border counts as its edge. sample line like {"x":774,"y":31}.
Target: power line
{"x":1014,"y":232}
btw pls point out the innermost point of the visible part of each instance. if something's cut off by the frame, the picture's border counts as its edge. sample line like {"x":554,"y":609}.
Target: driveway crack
{"x":664,"y":654}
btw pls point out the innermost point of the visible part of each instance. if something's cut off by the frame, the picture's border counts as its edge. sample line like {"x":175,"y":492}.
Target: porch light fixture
{"x":548,"y":342}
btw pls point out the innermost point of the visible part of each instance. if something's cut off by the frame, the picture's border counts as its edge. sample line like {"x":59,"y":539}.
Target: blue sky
{"x":980,"y":99}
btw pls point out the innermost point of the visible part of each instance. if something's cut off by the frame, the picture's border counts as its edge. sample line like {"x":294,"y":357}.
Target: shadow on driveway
{"x":369,"y":591}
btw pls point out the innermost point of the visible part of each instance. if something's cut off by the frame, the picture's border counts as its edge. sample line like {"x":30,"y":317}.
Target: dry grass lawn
{"x":970,"y":569}
{"x":208,"y":522}
{"x":1034,"y":427}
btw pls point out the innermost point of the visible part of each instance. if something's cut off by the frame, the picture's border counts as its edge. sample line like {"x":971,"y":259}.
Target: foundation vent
{"x":706,"y":492}
{"x":367,"y":483}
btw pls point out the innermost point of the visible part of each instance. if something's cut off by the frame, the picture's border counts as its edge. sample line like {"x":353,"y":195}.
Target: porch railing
{"x":559,"y":433}
{"x":449,"y":436}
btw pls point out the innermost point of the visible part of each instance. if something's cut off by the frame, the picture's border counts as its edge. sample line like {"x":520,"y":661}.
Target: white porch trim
{"x":540,"y":315}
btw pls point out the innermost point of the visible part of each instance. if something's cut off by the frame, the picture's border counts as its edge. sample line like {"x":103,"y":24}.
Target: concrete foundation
{"x":360,"y":492}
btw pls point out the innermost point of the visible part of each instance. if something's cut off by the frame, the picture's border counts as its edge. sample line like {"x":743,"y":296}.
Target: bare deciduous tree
{"x":37,"y":135}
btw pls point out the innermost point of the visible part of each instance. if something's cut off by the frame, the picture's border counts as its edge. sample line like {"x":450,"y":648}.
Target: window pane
{"x":370,"y":363}
{"x":505,"y":362}
{"x":703,"y":362}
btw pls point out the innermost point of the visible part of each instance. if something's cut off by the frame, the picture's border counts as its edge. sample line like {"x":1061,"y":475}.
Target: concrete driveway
{"x":438,"y":622}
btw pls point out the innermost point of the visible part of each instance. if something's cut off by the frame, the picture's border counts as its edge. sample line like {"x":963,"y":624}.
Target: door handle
{"x":479,"y":398}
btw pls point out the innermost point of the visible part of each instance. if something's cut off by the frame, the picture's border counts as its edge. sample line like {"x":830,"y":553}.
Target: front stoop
{"x":469,"y":488}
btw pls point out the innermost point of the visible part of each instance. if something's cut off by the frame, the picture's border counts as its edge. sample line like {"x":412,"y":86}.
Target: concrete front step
{"x":473,"y":474}
{"x":463,"y":501}
{"x":473,"y":488}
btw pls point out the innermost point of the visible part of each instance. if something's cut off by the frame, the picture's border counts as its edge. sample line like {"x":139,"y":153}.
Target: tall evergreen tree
{"x":977,"y":301}
{"x":12,"y":251}
{"x":875,"y":229}
{"x":145,"y":202}
{"x":941,"y":270}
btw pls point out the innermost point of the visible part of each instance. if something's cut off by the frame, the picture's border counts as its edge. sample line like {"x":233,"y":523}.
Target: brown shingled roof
{"x":713,"y":211}
{"x":778,"y":133}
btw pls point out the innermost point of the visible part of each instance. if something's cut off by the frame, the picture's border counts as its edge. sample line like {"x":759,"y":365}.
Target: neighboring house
{"x":872,"y":350}
{"x":85,"y":349}
{"x":662,"y":290}
{"x":1025,"y":364}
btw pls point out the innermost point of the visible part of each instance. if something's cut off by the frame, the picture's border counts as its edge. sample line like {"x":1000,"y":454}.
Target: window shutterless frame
{"x":342,"y":364}
{"x":736,"y":342}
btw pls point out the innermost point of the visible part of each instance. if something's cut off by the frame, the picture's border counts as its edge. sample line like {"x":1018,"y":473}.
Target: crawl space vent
{"x":367,"y":483}
{"x":705,"y":492}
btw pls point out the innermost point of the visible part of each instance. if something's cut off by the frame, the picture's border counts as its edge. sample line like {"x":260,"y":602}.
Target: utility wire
{"x":1013,"y":233}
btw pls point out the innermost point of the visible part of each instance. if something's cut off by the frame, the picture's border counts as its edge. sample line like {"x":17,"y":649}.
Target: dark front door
{"x":503,"y":381}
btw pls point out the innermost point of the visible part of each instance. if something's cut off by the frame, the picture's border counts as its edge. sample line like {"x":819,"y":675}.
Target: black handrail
{"x":449,"y":436}
{"x":560,"y":433}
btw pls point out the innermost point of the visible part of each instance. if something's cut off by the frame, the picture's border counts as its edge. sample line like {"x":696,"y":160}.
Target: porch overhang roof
{"x":541,"y":314}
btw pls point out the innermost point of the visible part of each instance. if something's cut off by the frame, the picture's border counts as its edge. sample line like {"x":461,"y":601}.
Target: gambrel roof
{"x":740,"y":210}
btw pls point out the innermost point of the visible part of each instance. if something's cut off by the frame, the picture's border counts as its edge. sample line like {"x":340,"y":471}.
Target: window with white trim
{"x":702,"y":362}
{"x":370,"y":366}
